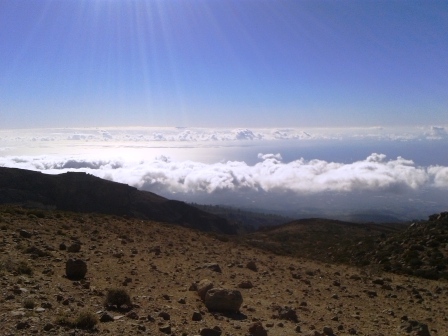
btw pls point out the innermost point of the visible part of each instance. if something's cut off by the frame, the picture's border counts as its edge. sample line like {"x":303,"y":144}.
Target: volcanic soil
{"x":159,"y":265}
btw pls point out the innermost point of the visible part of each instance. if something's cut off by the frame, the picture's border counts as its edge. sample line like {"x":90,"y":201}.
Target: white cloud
{"x":270,"y":156}
{"x":245,"y":134}
{"x":375,"y":173}
{"x":171,"y":134}
{"x":440,"y":176}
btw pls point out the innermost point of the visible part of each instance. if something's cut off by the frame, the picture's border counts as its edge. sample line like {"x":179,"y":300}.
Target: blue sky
{"x":223,"y":63}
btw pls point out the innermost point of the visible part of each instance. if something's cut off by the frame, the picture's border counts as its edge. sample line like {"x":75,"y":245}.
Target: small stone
{"x":252,"y":266}
{"x":257,"y":329}
{"x":75,"y":269}
{"x":164,"y":315}
{"x":328,"y":330}
{"x":246,"y":284}
{"x":74,"y":247}
{"x":213,"y":266}
{"x":25,"y":234}
{"x":219,"y":299}
{"x":166,"y":329}
{"x":216,"y":331}
{"x":106,"y":317}
{"x":196,"y":316}
{"x":48,"y":327}
{"x":22,"y":325}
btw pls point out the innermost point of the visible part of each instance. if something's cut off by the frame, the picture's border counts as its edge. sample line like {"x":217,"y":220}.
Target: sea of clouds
{"x":183,"y":134}
{"x":269,"y":179}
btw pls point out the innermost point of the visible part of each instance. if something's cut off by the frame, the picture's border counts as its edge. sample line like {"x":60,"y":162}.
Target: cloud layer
{"x":375,"y":173}
{"x":172,"y":134}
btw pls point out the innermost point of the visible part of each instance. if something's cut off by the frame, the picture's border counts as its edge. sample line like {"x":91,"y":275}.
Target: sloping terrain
{"x":316,"y":238}
{"x":420,"y":250}
{"x":247,"y":220}
{"x":156,"y":265}
{"x":86,"y":193}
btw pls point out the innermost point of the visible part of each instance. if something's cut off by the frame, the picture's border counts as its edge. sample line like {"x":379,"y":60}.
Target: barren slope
{"x":124,"y":253}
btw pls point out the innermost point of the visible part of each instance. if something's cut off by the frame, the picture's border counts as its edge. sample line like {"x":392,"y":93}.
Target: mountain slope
{"x":86,"y":193}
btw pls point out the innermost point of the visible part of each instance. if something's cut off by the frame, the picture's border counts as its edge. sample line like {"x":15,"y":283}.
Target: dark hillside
{"x":86,"y":193}
{"x":315,"y":238}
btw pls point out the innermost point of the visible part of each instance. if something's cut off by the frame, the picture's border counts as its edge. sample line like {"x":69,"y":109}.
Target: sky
{"x":233,"y":63}
{"x":304,"y":108}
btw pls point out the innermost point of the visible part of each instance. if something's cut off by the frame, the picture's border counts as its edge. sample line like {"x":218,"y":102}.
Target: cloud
{"x":246,"y":134}
{"x":440,"y":176}
{"x":374,"y":173}
{"x":172,"y":134}
{"x":270,"y":156}
{"x":437,"y":132}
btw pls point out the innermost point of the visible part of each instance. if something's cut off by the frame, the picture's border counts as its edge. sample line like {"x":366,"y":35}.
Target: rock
{"x":352,"y":331}
{"x":106,"y":317}
{"x":48,"y":327}
{"x":355,"y":277}
{"x":287,"y":313}
{"x":252,"y":266}
{"x":74,"y":247}
{"x":327,"y":330}
{"x":25,"y":234}
{"x":203,"y":286}
{"x":417,"y":328}
{"x":132,"y":315}
{"x":75,"y":269}
{"x":166,"y":329}
{"x":297,"y":328}
{"x":182,"y":301}
{"x":257,"y":329}
{"x":46,"y":305}
{"x":219,"y":299}
{"x":62,"y":247}
{"x":22,"y":325}
{"x":197,"y":316}
{"x":246,"y":284}
{"x":193,"y":287}
{"x":216,"y":331}
{"x":164,"y":315}
{"x":371,"y":294}
{"x":213,"y":266}
{"x":378,"y":281}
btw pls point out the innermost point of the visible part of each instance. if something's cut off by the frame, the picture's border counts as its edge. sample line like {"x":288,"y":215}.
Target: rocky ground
{"x":165,"y":267}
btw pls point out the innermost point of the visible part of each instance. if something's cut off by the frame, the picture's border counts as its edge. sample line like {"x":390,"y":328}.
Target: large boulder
{"x":75,"y":268}
{"x":220,"y":299}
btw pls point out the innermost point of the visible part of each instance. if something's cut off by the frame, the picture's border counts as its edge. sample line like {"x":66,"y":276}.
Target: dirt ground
{"x":157,"y":263}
